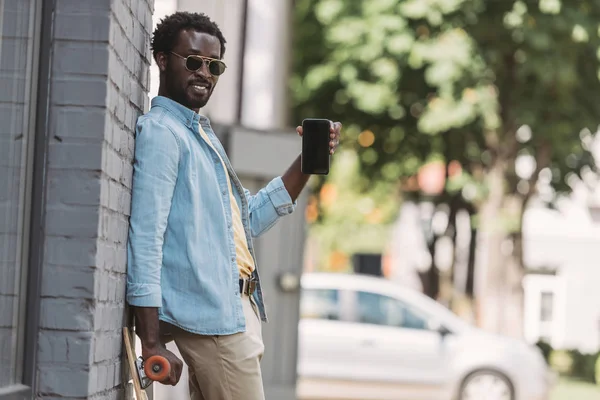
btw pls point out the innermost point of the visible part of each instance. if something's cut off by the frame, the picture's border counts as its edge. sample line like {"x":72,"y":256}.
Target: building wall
{"x":99,"y":80}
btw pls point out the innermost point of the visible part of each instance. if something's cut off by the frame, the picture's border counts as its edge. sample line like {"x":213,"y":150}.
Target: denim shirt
{"x":181,"y":249}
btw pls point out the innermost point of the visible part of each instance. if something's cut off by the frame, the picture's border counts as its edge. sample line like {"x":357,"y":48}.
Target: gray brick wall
{"x":99,"y":83}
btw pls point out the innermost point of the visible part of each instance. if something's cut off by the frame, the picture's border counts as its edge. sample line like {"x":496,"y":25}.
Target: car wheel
{"x":488,"y":385}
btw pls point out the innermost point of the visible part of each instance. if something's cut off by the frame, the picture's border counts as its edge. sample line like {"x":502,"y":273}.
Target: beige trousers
{"x":225,"y":367}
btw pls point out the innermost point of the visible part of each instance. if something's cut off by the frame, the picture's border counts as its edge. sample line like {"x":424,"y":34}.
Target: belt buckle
{"x":248,"y":286}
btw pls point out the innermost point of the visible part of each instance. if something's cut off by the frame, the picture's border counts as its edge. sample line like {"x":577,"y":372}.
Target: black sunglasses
{"x":193,"y":63}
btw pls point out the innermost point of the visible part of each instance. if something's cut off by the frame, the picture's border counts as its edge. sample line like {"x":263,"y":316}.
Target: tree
{"x":505,"y":88}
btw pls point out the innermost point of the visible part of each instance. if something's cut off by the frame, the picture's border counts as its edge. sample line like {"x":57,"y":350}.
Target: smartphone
{"x":315,"y":146}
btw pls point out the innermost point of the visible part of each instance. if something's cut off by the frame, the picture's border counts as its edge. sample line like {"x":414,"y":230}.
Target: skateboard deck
{"x":144,"y":372}
{"x":137,"y":386}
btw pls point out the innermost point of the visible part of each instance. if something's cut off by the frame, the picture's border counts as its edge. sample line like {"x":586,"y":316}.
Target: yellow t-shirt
{"x":245,"y":261}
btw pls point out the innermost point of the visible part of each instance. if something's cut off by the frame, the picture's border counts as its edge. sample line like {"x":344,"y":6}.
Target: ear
{"x":161,"y":60}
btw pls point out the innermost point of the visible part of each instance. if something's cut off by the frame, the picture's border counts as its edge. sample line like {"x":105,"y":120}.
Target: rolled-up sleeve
{"x":157,"y":154}
{"x":268,"y":205}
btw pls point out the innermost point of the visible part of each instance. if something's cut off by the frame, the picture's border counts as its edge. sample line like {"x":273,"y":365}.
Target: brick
{"x":112,"y":99}
{"x":117,"y":227}
{"x":77,"y":221}
{"x":114,"y":394}
{"x":74,"y":252}
{"x":81,"y":58}
{"x":120,"y":263}
{"x":139,"y":37}
{"x":77,"y":283}
{"x":137,"y":93}
{"x":76,"y":155}
{"x":111,"y":164}
{"x":64,"y":347}
{"x":121,"y":140}
{"x":105,"y":376}
{"x":67,"y":314}
{"x":74,"y":187}
{"x":79,"y":91}
{"x":114,"y":190}
{"x":120,"y":111}
{"x":93,"y":27}
{"x":104,"y":379}
{"x":106,"y":256}
{"x":79,"y":122}
{"x":107,"y":347}
{"x":109,"y":317}
{"x":132,"y":120}
{"x":63,"y":381}
{"x":124,"y":17}
{"x":130,"y":147}
{"x":127,"y":175}
{"x":74,"y":7}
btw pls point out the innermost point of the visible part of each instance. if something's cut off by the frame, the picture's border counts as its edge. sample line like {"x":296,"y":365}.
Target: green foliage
{"x":561,"y":361}
{"x":597,"y":374}
{"x":453,"y":79}
{"x":546,"y":349}
{"x":574,"y":364}
{"x":350,"y":221}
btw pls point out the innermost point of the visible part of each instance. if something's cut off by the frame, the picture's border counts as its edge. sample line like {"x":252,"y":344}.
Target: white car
{"x":363,"y":337}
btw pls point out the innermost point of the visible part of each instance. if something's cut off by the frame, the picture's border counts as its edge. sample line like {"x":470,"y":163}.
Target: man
{"x":191,"y":262}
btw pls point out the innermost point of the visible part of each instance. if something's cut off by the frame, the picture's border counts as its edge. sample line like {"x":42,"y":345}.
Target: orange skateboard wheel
{"x":157,"y":368}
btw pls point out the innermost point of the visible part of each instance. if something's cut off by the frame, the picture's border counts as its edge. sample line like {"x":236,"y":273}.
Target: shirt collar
{"x":186,"y":115}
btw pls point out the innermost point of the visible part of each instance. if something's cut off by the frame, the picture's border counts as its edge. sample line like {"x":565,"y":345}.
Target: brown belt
{"x":247,"y":286}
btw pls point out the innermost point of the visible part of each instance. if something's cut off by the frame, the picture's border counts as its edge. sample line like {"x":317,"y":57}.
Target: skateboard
{"x":144,"y":372}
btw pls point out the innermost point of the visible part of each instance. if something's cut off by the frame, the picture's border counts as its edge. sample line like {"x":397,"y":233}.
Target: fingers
{"x":336,"y":127}
{"x":179,"y":370}
{"x":299,"y":130}
{"x":176,"y":371}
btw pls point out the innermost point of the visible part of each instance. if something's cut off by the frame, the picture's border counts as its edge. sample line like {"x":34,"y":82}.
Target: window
{"x":546,"y":306}
{"x":320,"y":304}
{"x":373,"y":308}
{"x":19,"y":22}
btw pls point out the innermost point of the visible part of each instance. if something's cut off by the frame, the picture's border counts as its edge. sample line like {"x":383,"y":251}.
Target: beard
{"x":187,"y":92}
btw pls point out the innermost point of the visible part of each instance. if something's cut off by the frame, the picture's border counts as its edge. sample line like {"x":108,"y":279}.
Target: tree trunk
{"x":430,"y":279}
{"x":447,"y":289}
{"x":501,"y":297}
{"x":470,"y":286}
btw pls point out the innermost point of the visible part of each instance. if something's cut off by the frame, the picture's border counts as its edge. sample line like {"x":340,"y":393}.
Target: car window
{"x":373,"y":308}
{"x":320,"y":304}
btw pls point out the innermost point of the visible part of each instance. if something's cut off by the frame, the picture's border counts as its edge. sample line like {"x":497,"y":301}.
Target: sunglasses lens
{"x":193,"y":63}
{"x":216,"y":67}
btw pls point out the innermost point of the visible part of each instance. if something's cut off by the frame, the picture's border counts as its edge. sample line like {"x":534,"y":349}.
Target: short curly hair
{"x":167,"y":31}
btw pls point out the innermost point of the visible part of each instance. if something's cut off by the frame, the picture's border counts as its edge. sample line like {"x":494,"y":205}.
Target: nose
{"x":203,"y":70}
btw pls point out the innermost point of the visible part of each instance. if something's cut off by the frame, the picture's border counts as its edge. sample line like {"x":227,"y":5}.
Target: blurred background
{"x":468,"y":165}
{"x":452,"y":253}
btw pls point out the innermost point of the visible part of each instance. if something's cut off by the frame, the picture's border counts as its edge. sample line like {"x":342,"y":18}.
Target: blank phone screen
{"x":315,"y":146}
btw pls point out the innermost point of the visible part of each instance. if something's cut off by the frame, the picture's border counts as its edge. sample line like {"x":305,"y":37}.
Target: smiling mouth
{"x":201,"y":88}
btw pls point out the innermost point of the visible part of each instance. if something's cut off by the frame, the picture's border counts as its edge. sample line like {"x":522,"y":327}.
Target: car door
{"x":323,"y":341}
{"x":394,"y":344}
